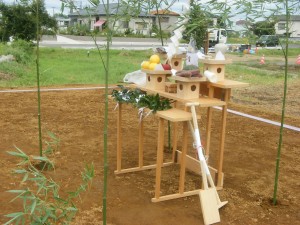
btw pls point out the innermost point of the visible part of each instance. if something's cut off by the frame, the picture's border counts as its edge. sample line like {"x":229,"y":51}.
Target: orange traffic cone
{"x":298,"y":60}
{"x":262,"y":60}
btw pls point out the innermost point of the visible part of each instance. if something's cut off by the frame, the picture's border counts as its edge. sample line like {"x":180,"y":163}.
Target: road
{"x":86,"y":42}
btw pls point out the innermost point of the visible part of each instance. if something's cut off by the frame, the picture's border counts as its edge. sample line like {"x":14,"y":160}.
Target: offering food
{"x":145,"y":65}
{"x":154,"y":59}
{"x":189,"y":71}
{"x":154,"y":64}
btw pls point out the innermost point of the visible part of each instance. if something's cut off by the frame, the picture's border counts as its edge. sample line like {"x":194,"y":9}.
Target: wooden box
{"x":156,"y":79}
{"x":215,"y":66}
{"x":171,"y":87}
{"x":188,"y":88}
{"x":177,"y":62}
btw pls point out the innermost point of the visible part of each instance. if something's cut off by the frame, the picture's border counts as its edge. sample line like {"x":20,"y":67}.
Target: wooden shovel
{"x":209,"y":198}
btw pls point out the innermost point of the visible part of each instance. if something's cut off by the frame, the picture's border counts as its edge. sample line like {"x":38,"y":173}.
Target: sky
{"x":54,"y":6}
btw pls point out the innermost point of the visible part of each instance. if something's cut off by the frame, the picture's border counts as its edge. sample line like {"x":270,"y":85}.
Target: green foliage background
{"x":18,"y":21}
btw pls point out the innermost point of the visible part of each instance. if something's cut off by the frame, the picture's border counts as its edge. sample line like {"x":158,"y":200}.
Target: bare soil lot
{"x":76,"y":117}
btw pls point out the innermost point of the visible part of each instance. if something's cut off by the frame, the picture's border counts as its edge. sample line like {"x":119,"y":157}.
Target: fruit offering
{"x":154,"y":59}
{"x":145,"y":65}
{"x":154,"y":64}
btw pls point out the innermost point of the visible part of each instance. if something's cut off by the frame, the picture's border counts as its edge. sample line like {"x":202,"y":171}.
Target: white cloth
{"x":137,"y":77}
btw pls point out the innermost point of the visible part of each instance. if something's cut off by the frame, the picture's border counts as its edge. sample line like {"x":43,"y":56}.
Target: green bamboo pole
{"x":38,"y":77}
{"x":159,"y":23}
{"x":283,"y":107}
{"x":108,"y":36}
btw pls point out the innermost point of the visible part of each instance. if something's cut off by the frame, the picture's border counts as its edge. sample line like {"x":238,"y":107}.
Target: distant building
{"x":62,"y":23}
{"x":294,"y":26}
{"x":168,"y":19}
{"x":95,"y":18}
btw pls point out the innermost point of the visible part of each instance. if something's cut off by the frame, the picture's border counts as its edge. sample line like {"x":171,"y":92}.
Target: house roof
{"x":293,"y":18}
{"x":114,"y":8}
{"x":164,"y":12}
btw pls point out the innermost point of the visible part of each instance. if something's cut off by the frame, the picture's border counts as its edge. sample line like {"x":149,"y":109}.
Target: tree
{"x":197,"y":25}
{"x":19,"y":22}
{"x":263,"y":28}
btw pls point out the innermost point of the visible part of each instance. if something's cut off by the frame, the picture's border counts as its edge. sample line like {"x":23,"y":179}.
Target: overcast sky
{"x":55,"y":5}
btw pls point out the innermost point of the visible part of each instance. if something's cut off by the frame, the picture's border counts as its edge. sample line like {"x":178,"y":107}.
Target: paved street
{"x":86,"y":42}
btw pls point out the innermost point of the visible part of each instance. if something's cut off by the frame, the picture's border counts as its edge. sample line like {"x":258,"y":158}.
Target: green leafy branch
{"x":140,"y":99}
{"x":42,"y":203}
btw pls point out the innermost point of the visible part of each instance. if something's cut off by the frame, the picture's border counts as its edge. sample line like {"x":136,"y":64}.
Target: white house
{"x":294,"y":26}
{"x":95,"y":18}
{"x":62,"y":23}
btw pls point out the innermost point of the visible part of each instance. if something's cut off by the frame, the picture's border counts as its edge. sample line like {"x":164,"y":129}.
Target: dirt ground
{"x":76,"y":117}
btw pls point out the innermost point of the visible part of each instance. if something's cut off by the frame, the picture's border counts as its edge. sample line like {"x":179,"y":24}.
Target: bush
{"x":21,"y":50}
{"x":79,"y":30}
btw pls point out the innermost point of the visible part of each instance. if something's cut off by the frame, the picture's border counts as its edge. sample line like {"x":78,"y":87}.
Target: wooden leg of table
{"x":175,"y":139}
{"x":141,"y":143}
{"x":119,"y":138}
{"x":159,"y":159}
{"x":208,"y":124}
{"x":183,"y":158}
{"x":222,"y":140}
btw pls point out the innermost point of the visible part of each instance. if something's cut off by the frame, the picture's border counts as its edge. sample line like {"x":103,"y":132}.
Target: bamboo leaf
{"x":25,"y":178}
{"x":41,"y":158}
{"x":17,"y":191}
{"x":15,"y":216}
{"x":20,"y":192}
{"x":33,"y":206}
{"x":20,"y":171}
{"x":18,"y":154}
{"x":72,"y":209}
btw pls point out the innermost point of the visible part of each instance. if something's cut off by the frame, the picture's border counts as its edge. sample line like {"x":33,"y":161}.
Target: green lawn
{"x":73,"y":66}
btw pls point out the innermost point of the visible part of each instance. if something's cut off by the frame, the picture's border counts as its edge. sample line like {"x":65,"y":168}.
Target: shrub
{"x":20,"y":49}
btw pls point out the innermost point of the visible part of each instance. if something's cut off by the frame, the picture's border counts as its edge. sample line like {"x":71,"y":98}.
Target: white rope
{"x":54,"y":89}
{"x":261,"y":119}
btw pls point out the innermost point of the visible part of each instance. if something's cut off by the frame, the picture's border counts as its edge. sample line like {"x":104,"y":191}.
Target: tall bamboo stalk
{"x":283,"y":106}
{"x":159,"y":23}
{"x":108,"y":36}
{"x":38,"y":77}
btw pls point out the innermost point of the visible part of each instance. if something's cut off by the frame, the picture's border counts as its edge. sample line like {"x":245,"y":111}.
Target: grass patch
{"x":293,"y":52}
{"x":74,"y":66}
{"x":259,"y":74}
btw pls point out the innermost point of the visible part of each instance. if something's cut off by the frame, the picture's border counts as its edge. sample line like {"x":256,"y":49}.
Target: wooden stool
{"x":173,"y":115}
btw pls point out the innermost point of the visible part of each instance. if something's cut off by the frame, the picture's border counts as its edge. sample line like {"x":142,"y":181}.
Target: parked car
{"x":267,"y":41}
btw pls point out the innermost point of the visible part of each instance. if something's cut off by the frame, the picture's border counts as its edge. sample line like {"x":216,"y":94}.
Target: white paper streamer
{"x":116,"y":106}
{"x":141,"y":113}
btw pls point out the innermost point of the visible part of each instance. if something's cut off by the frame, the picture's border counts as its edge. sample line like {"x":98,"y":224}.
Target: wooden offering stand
{"x":216,"y":66}
{"x":188,"y":88}
{"x":177,"y":62}
{"x":156,"y":79}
